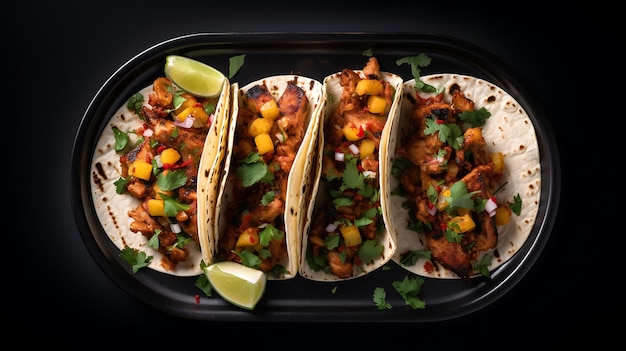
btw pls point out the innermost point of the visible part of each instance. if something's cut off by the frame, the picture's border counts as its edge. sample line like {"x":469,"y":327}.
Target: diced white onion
{"x":432,"y":209}
{"x":339,"y":156}
{"x":175,"y":228}
{"x":280,"y":137}
{"x":148,"y":132}
{"x":490,"y":206}
{"x":331,"y":227}
{"x":157,"y":158}
{"x":262,"y":225}
{"x":354,"y":149}
{"x":369,"y":174}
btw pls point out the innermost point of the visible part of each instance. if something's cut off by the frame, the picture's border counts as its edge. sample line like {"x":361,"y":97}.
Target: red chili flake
{"x":340,"y":248}
{"x":160,"y":148}
{"x":245,"y":222}
{"x":360,"y":167}
{"x":428,"y":267}
{"x":358,"y":197}
{"x":438,"y":188}
{"x":167,"y":166}
{"x":361,"y":132}
{"x":493,"y":198}
{"x":431,"y":205}
{"x":197,"y":298}
{"x":443,"y":226}
{"x":440,"y":121}
{"x":183,"y":164}
{"x":349,"y":216}
{"x":198,"y":104}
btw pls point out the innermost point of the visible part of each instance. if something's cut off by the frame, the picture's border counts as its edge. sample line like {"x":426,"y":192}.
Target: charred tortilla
{"x":267,"y":173}
{"x":124,"y":217}
{"x":509,"y":132}
{"x":345,"y":236}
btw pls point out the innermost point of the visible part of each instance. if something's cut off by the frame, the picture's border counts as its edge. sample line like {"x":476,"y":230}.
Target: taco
{"x":345,"y":235}
{"x":267,"y":172}
{"x":152,"y":174}
{"x":466,"y":178}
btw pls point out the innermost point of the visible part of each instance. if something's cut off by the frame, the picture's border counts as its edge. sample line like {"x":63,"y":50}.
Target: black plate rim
{"x":291,"y":310}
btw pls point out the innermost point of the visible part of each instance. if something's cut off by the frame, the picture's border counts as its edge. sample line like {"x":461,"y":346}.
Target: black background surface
{"x":56,"y":59}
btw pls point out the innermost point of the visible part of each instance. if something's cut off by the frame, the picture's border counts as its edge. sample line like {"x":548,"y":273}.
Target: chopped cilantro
{"x":137,"y":259}
{"x":421,"y":60}
{"x":172,"y":205}
{"x":171,"y":180}
{"x":121,"y":139}
{"x":410,"y":258}
{"x":516,"y":206}
{"x":380,"y":299}
{"x":449,"y":133}
{"x":135,"y":103}
{"x":483,"y":265}
{"x":475,"y":118}
{"x":409,"y":289}
{"x":153,"y":242}
{"x":370,"y":250}
{"x":267,"y":198}
{"x":270,"y":233}
{"x":120,"y":185}
{"x":202,"y":282}
{"x":235,"y":64}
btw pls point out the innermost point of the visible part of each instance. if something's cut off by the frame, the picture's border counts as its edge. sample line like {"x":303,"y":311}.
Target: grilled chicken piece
{"x":451,"y":255}
{"x":188,"y":141}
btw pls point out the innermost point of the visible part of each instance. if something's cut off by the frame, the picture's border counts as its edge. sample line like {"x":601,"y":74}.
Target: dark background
{"x":57,"y":57}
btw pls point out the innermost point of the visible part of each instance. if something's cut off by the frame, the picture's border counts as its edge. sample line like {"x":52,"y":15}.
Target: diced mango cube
{"x":270,"y":110}
{"x":189,"y":102}
{"x":503,"y":215}
{"x":367,"y":148}
{"x":248,"y":238}
{"x":156,"y":207}
{"x":498,"y":161}
{"x":170,"y":156}
{"x":369,"y":87}
{"x":441,"y":199}
{"x":264,"y":143}
{"x":352,"y":132}
{"x":351,"y":235}
{"x":465,"y":223}
{"x":376,"y":104}
{"x":140,"y":169}
{"x":260,"y":126}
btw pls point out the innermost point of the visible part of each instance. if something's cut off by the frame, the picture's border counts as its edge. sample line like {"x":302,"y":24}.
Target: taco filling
{"x":455,"y":182}
{"x":146,"y":177}
{"x":268,"y":134}
{"x":345,"y":232}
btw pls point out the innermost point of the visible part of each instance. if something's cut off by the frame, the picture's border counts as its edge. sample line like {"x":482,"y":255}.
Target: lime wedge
{"x":240,"y":285}
{"x":193,"y":76}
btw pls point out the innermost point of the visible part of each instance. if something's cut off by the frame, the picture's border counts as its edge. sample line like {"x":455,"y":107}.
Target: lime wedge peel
{"x":240,"y":285}
{"x":194,"y":77}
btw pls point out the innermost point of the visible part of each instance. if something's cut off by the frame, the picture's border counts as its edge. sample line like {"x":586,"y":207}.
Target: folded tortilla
{"x":315,"y":266}
{"x":112,"y":208}
{"x":508,"y":130}
{"x":234,"y":196}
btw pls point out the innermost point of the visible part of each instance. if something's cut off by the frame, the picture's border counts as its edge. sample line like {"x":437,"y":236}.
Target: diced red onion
{"x":490,"y":206}
{"x":492,"y":213}
{"x":331,"y":227}
{"x":339,"y":156}
{"x":432,"y":209}
{"x":187,"y":123}
{"x":354,"y":149}
{"x":148,"y":132}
